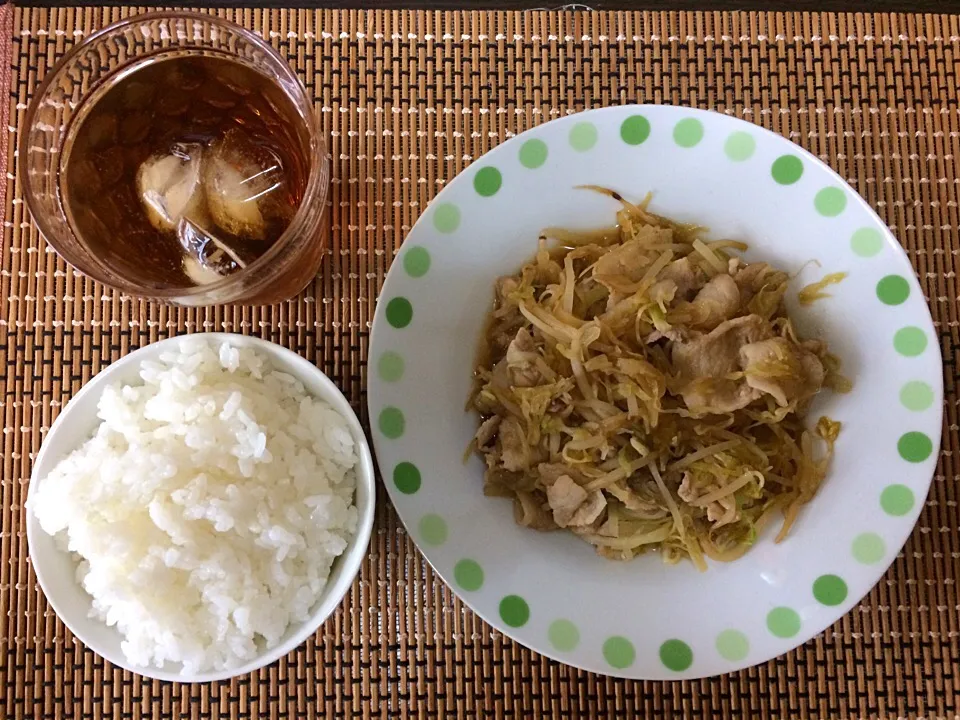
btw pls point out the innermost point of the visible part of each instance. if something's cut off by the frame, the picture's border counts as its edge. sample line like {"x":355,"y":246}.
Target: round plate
{"x":550,"y":591}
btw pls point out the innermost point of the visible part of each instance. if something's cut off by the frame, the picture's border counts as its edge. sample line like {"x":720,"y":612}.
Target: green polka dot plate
{"x":550,"y":591}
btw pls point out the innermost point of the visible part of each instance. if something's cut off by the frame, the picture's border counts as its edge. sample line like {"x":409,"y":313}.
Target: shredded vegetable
{"x":815,"y":291}
{"x":645,"y":389}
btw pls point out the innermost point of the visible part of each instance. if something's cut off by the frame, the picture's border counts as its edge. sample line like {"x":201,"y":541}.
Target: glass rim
{"x":314,"y":178}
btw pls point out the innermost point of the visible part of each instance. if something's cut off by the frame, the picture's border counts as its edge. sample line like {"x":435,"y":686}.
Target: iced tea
{"x":185,"y":170}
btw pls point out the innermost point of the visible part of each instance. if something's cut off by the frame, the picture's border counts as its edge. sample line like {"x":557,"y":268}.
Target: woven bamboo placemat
{"x":408,"y":100}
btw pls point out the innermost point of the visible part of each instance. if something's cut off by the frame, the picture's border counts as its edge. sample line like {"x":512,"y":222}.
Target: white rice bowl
{"x":207,"y":509}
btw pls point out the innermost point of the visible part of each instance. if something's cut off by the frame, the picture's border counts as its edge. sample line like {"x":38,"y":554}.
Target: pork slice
{"x":704,"y":365}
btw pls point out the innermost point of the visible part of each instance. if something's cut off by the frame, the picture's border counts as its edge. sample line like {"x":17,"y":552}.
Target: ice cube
{"x":207,"y":257}
{"x":239,"y":177}
{"x":169,"y":186}
{"x":199,"y":273}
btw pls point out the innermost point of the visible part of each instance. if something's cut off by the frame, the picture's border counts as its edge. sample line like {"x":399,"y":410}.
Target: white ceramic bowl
{"x":56,"y":570}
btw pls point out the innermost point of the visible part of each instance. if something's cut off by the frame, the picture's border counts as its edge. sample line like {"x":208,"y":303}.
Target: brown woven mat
{"x":409,"y":99}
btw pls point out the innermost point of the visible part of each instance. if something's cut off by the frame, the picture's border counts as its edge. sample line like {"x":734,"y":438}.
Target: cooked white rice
{"x":207,"y":509}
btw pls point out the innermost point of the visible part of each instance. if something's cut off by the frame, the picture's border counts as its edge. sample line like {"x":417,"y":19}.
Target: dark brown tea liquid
{"x":186,"y":170}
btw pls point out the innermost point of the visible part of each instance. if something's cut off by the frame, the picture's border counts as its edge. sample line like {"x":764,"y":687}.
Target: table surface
{"x":874,"y":96}
{"x":840,"y":6}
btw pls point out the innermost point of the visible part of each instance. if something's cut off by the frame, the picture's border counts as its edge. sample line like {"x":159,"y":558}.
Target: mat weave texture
{"x":408,"y":100}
